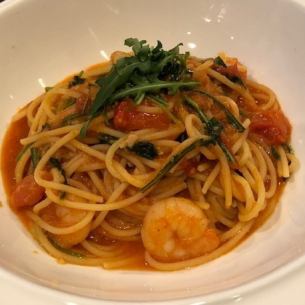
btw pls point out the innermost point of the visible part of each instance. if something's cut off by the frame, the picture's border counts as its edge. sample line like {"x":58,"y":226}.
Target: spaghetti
{"x":155,"y":158}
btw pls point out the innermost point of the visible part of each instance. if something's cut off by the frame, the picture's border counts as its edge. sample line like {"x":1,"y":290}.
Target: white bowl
{"x":44,"y":41}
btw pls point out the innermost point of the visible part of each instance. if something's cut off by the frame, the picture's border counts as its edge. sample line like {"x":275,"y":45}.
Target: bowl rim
{"x":229,"y":294}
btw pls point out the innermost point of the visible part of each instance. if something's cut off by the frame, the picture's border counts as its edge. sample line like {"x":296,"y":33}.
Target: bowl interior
{"x":41,"y":43}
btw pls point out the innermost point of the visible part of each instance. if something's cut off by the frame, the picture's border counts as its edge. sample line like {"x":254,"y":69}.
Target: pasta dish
{"x":156,"y":159}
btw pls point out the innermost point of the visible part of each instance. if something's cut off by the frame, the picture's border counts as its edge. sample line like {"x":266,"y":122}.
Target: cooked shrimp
{"x":63,"y":217}
{"x":176,"y":229}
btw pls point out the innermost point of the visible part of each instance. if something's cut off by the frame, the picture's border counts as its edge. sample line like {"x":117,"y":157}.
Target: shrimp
{"x":63,"y":217}
{"x":176,"y":229}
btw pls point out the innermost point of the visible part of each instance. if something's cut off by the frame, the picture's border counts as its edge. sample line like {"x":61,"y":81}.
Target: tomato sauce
{"x":11,"y":148}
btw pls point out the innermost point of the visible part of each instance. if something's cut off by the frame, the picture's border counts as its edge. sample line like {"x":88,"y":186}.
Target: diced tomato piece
{"x":26,"y":193}
{"x":272,"y":126}
{"x":128,"y":118}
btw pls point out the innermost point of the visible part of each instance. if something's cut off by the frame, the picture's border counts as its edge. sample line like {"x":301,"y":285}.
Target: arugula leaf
{"x":106,"y":138}
{"x":46,"y":89}
{"x":139,"y":98}
{"x":230,"y":117}
{"x":77,"y":80}
{"x":22,"y":151}
{"x":288,"y":148}
{"x":153,"y":88}
{"x":145,"y":149}
{"x":275,"y":153}
{"x":182,"y":137}
{"x":213,"y":127}
{"x":219,"y":62}
{"x":139,"y":48}
{"x":119,"y":75}
{"x":56,"y":163}
{"x":233,"y":78}
{"x":149,"y":70}
{"x":174,"y":160}
{"x":237,"y":80}
{"x":65,"y":250}
{"x":83,"y":130}
{"x":35,"y":156}
{"x":158,"y":100}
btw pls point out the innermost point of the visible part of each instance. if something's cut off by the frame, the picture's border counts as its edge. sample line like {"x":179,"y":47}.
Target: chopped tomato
{"x":128,"y":118}
{"x":27,"y":193}
{"x":272,"y":126}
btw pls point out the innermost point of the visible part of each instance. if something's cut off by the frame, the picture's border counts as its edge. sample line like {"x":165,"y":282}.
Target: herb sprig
{"x":230,"y":117}
{"x":233,"y":78}
{"x":213,"y":127}
{"x":56,"y":163}
{"x":35,"y":156}
{"x":149,"y":70}
{"x":174,"y":160}
{"x":145,"y":149}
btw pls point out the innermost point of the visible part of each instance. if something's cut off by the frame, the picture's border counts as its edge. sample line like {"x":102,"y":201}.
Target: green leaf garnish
{"x":65,"y":250}
{"x":145,"y":149}
{"x":154,"y":87}
{"x":83,"y":130}
{"x":159,"y":101}
{"x":77,"y":80}
{"x":237,"y":80}
{"x":46,"y":89}
{"x":174,"y":160}
{"x":35,"y":156}
{"x":230,"y":117}
{"x":213,"y":127}
{"x":56,"y":163}
{"x":22,"y":151}
{"x":149,"y":70}
{"x":182,"y":137}
{"x":275,"y":153}
{"x":288,"y":148}
{"x":219,"y":62}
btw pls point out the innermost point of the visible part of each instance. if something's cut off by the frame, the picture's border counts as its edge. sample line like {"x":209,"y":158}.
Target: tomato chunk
{"x":272,"y":126}
{"x":26,"y":193}
{"x":128,"y":118}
